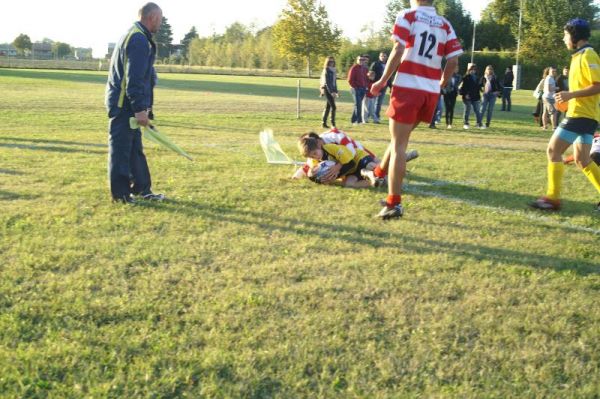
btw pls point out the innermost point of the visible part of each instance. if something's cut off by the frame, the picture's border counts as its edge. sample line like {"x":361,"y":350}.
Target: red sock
{"x":378,"y":172}
{"x":393,"y":200}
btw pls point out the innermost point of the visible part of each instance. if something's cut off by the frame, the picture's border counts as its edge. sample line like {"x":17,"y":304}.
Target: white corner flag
{"x":273,"y":151}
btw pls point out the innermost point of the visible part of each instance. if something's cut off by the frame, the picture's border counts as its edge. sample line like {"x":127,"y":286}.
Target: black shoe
{"x":126,"y":199}
{"x":325,"y":126}
{"x":153,"y":197}
{"x":432,"y":126}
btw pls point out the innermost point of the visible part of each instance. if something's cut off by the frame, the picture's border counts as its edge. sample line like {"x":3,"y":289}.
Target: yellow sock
{"x":555,"y":175}
{"x":592,"y":171}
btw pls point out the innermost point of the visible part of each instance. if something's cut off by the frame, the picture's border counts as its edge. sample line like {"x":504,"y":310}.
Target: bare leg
{"x":556,"y":148}
{"x":400,"y":134}
{"x":581,"y":153}
{"x":353,"y":182}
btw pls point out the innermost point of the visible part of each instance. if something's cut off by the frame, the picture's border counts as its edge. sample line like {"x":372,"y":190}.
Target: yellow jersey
{"x":584,"y":71}
{"x":341,"y":154}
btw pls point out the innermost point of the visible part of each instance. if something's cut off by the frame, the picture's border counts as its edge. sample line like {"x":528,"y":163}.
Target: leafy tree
{"x":542,"y":23}
{"x":303,"y":33}
{"x":192,"y":34}
{"x":164,"y":39}
{"x":22,"y":43}
{"x":494,"y":36}
{"x":61,"y":50}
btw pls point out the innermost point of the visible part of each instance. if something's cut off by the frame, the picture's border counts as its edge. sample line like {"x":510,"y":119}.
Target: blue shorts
{"x":577,"y":130}
{"x":572,"y":137}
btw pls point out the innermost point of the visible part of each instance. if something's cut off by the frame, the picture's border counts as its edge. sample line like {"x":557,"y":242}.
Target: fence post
{"x":298,"y":101}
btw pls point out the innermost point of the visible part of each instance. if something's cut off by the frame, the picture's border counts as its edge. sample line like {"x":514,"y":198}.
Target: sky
{"x":85,"y":24}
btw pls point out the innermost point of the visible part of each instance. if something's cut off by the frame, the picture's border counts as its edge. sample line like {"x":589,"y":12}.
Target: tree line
{"x":304,"y":34}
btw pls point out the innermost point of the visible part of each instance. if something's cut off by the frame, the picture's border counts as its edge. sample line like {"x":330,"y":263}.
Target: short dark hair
{"x":148,"y":9}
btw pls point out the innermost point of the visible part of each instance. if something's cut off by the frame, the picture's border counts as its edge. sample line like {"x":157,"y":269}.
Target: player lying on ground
{"x":335,"y":136}
{"x":345,"y":166}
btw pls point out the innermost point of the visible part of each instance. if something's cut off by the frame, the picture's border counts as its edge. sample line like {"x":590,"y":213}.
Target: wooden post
{"x":298,"y":101}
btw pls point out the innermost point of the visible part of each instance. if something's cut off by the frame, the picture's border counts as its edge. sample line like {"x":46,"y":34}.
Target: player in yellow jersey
{"x":347,"y":165}
{"x":582,"y":116}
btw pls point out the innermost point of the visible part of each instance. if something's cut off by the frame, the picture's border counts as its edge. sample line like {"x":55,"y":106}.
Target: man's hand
{"x":377,"y":86}
{"x":444,"y":82}
{"x":563,"y":96}
{"x":142,"y":118}
{"x":332,"y":174}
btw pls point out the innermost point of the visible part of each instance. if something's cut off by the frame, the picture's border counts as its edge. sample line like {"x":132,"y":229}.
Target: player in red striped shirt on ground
{"x":421,"y":40}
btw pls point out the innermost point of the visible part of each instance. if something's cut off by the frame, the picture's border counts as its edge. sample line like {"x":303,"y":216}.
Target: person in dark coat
{"x":491,"y":89}
{"x":507,"y":88}
{"x":328,"y":87}
{"x":128,"y":97}
{"x":471,"y":96}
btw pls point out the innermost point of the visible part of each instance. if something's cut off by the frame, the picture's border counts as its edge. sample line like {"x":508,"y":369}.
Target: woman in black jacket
{"x":328,"y":86}
{"x":491,"y":89}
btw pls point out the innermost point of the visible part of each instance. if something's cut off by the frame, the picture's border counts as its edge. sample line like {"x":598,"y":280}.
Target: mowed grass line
{"x":247,"y":284}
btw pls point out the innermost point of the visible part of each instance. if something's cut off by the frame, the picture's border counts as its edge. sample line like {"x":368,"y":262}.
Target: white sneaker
{"x":465,"y":126}
{"x":482,"y":127}
{"x":449,"y":127}
{"x":412,"y":155}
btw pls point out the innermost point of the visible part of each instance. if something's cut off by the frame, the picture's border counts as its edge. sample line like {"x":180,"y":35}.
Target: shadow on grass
{"x":46,"y":141}
{"x":11,"y":172}
{"x":364,"y":235}
{"x":10,"y":196}
{"x":485,"y":197}
{"x":74,"y":76}
{"x":49,"y":148}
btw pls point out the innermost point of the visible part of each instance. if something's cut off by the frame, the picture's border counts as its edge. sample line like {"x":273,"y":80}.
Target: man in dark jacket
{"x":358,"y":81}
{"x":471,"y":96}
{"x":129,"y":95}
{"x":507,"y":87}
{"x":378,"y":67}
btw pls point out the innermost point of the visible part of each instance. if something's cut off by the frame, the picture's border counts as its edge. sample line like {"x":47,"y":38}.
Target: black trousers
{"x":329,"y":107}
{"x":128,"y":171}
{"x":449,"y":104}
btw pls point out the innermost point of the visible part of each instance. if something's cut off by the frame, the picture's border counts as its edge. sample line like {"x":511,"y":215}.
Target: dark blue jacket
{"x":130,"y":76}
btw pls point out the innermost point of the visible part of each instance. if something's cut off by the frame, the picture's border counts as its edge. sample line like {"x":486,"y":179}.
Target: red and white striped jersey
{"x":427,"y":38}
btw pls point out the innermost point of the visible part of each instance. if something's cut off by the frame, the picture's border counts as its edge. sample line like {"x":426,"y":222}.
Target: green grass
{"x":247,"y":284}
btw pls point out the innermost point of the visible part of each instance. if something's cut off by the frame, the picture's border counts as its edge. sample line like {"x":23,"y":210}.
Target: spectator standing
{"x":538,"y":93}
{"x":450,"y":92}
{"x":369,"y":101}
{"x":491,"y":89}
{"x":358,"y":81}
{"x":549,"y":112}
{"x":328,"y":86}
{"x":471,"y":97}
{"x":378,"y":67}
{"x":507,"y":87}
{"x":562,"y":84}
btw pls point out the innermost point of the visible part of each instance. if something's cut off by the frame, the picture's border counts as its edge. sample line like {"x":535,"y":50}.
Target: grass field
{"x":247,"y":284}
